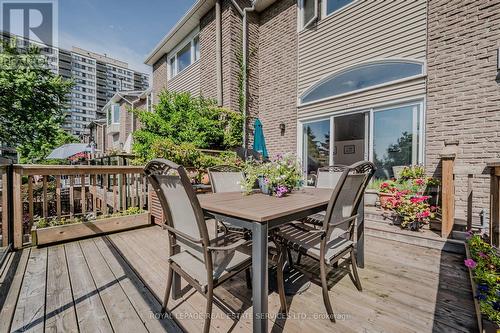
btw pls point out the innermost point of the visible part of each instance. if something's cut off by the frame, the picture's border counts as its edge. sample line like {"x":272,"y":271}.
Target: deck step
{"x":392,"y":232}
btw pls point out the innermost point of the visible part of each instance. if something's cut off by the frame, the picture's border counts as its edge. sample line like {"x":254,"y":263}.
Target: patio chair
{"x":201,"y":261}
{"x":334,"y":240}
{"x":226,"y":178}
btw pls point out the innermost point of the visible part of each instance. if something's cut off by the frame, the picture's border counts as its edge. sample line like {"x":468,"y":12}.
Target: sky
{"x":126,"y":30}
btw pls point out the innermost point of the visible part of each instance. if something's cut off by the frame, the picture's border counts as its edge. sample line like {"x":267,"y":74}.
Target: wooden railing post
{"x":494,"y":231}
{"x":448,"y":194}
{"x":18,"y":208}
{"x":5,"y":207}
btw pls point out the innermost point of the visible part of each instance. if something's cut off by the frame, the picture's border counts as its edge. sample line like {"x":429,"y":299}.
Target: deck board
{"x":116,"y":282}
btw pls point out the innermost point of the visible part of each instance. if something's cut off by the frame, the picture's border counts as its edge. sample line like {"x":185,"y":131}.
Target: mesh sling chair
{"x":334,"y":240}
{"x":201,"y":261}
{"x":226,"y":178}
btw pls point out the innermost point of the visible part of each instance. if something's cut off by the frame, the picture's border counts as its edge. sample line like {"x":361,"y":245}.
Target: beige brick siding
{"x":159,"y":77}
{"x":278,"y":75}
{"x":463,"y":98}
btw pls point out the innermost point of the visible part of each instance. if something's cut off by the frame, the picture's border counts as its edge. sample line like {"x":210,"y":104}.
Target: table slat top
{"x":262,"y":208}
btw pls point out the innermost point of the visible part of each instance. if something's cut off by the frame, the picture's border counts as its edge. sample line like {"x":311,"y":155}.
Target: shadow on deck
{"x":115,"y":283}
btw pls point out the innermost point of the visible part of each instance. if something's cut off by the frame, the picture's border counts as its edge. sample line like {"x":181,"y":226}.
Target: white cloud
{"x":110,"y":48}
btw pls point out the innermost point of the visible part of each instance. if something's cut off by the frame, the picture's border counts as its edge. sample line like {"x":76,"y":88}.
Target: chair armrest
{"x":181,"y":234}
{"x":334,"y":224}
{"x":229,"y":247}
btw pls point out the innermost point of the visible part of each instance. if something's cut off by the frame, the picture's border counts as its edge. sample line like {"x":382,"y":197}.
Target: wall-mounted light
{"x":282,"y":128}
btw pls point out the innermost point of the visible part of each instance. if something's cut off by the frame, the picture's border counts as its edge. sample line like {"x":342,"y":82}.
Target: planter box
{"x":484,"y":325}
{"x":80,"y":230}
{"x":384,"y":197}
{"x":371,"y":197}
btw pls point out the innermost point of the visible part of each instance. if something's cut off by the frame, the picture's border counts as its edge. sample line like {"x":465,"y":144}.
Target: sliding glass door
{"x":396,"y":138}
{"x":386,"y":136}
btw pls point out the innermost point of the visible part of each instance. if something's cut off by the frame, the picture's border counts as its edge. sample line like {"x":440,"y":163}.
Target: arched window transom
{"x":361,"y":77}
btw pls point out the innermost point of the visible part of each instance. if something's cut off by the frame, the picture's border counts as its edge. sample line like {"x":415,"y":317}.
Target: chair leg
{"x":248,"y":278}
{"x":281,"y":280}
{"x":208,"y":312}
{"x":324,"y":284}
{"x":355,"y":271}
{"x":167,"y":291}
{"x":299,"y":257}
{"x":290,"y":258}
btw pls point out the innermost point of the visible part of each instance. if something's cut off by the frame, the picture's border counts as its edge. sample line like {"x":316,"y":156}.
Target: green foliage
{"x":41,"y":223}
{"x":184,"y":154}
{"x":283,"y":173}
{"x":485,"y":267}
{"x":412,"y":172}
{"x":183,"y":118}
{"x":38,"y":150}
{"x":32,"y":101}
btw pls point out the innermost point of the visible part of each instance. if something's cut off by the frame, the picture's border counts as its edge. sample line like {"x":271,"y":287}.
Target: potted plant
{"x":412,"y":209}
{"x":46,"y":231}
{"x":386,"y":190}
{"x":278,"y":177}
{"x":483,"y":263}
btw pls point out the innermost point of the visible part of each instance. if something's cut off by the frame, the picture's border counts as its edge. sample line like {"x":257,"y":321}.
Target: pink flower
{"x":419,"y":182}
{"x":482,"y":255}
{"x":470,"y":263}
{"x":384,"y":185}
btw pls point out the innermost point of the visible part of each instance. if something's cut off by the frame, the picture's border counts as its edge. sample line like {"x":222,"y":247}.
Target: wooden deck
{"x":114,"y":283}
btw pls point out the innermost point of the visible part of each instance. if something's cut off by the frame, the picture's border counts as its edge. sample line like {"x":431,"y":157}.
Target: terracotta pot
{"x":384,"y":198}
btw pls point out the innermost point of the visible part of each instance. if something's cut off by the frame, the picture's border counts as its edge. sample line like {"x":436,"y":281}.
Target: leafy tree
{"x":32,"y":101}
{"x":38,"y":150}
{"x":183,"y":119}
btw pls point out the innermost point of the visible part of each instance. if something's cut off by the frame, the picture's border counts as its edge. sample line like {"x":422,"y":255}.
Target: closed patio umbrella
{"x":259,"y":142}
{"x":68,"y":150}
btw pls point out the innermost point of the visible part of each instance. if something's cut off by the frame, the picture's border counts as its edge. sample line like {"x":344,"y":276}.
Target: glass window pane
{"x":316,"y":147}
{"x":172,"y":67}
{"x":309,"y":11}
{"x":363,"y":76}
{"x":196,"y":42}
{"x":116,"y":114}
{"x":349,"y":139}
{"x":184,"y":58}
{"x":395,"y":139}
{"x":333,"y":5}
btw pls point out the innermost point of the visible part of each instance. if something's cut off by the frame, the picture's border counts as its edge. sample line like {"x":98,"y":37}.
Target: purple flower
{"x":281,"y":191}
{"x":483,"y":287}
{"x":481,"y":297}
{"x":470,"y":263}
{"x":482,"y":255}
{"x":496,"y":305}
{"x":468,"y":234}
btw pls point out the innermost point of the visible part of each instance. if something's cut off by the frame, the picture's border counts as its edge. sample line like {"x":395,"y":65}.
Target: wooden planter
{"x":81,"y":230}
{"x":484,"y":325}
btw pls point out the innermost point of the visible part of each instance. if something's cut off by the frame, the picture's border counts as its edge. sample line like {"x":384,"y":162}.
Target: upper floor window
{"x":184,"y":56}
{"x":113,"y":114}
{"x":331,"y":6}
{"x":308,"y":12}
{"x":361,"y":77}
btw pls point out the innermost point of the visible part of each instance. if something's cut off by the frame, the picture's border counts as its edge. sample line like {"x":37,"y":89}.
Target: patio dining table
{"x":260,"y":213}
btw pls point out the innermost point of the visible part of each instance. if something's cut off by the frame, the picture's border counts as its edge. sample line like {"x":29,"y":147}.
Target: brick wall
{"x":278,"y":75}
{"x":159,"y":77}
{"x":463,"y":97}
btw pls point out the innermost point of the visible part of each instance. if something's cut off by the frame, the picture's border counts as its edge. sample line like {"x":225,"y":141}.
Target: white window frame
{"x":175,"y":51}
{"x":304,"y":25}
{"x":324,"y":7}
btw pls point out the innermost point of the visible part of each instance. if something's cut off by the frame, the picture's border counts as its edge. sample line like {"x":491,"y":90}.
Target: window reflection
{"x":395,"y":139}
{"x":316,"y":147}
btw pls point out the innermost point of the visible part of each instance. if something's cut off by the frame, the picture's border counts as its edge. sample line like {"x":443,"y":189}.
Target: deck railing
{"x":56,"y":192}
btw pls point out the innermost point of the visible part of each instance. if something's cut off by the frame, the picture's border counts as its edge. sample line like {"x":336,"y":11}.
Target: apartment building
{"x":336,"y":81}
{"x":97,"y":79}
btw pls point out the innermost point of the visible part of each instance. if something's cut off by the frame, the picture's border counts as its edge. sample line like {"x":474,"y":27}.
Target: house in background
{"x":394,"y":82}
{"x":113,"y":134}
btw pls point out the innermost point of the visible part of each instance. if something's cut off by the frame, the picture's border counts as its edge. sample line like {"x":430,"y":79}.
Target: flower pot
{"x":205,"y":180}
{"x":384,"y":199}
{"x":371,"y":197}
{"x":264,"y":187}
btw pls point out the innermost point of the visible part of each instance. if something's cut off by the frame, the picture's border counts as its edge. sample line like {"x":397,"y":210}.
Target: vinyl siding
{"x":363,"y":31}
{"x":187,"y":81}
